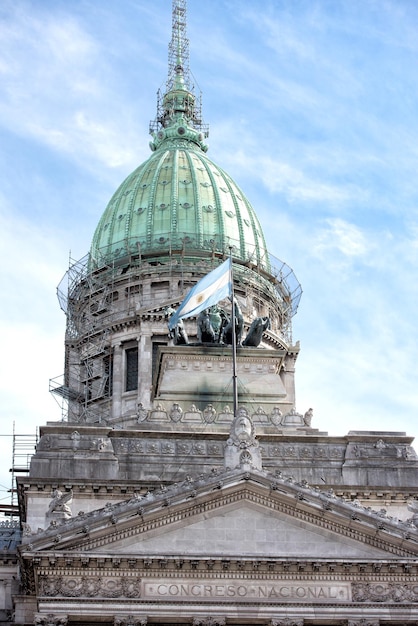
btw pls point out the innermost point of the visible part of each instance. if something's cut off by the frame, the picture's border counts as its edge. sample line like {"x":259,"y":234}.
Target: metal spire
{"x":179,"y":99}
{"x":178,"y":48}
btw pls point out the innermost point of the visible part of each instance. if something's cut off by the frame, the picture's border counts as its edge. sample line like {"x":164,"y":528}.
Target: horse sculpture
{"x":226,"y":335}
{"x":255,"y":332}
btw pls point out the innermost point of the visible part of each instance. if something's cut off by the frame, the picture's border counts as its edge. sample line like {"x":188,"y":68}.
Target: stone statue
{"x":216,"y":318}
{"x":205,"y":332}
{"x":141,"y":413}
{"x":255,"y":332}
{"x":59,"y":506}
{"x":307,"y":418}
{"x":226,"y":336}
{"x":178,"y":333}
{"x":413,"y":507}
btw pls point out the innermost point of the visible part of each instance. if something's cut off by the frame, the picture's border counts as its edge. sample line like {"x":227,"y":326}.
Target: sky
{"x":312,"y":106}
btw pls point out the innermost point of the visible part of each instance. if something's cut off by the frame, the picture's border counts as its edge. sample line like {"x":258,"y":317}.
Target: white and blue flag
{"x":212,"y":288}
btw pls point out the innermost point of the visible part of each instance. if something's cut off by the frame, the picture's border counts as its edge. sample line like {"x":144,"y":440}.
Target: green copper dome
{"x":178,"y":200}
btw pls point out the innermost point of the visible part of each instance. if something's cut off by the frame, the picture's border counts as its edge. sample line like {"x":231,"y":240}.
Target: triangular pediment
{"x":244,"y":529}
{"x":234,"y":514}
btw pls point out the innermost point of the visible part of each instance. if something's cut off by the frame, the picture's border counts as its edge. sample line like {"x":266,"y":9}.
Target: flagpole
{"x":234,"y":344}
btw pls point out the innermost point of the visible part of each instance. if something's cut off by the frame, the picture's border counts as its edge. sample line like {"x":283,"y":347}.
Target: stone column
{"x":145,"y":366}
{"x":288,"y":377}
{"x":117,"y":381}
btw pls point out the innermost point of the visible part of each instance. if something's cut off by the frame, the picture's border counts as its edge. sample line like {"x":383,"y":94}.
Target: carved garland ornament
{"x":384,"y":592}
{"x":130,"y":620}
{"x":50,"y":619}
{"x":90,"y":587}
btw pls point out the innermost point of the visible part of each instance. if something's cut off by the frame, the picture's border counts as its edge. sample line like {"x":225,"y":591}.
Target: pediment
{"x":234,"y":514}
{"x":243,"y":529}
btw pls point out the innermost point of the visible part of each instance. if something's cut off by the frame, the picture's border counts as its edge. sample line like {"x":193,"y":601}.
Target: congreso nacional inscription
{"x":243,"y":591}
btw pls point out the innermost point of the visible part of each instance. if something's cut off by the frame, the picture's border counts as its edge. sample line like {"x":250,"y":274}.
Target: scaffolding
{"x":179,"y":63}
{"x":23,"y":448}
{"x":107,"y":293}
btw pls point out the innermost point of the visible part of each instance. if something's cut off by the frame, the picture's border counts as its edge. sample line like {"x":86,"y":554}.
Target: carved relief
{"x":225,"y":416}
{"x":287,"y":621}
{"x":153,"y":447}
{"x":364,"y":621}
{"x":260,"y":416}
{"x":384,"y":592}
{"x":101,"y":445}
{"x":242,"y":448}
{"x":209,"y":414}
{"x":198,"y":448}
{"x":209,"y":621}
{"x":130,"y":620}
{"x":75,"y":438}
{"x":135,"y":445}
{"x":50,"y":620}
{"x":276,"y":416}
{"x":214,"y":449}
{"x":192,"y":415}
{"x":176,"y":412}
{"x":90,"y":587}
{"x":183,"y":448}
{"x":320,"y":452}
{"x":293,"y":419}
{"x":305,"y":452}
{"x":159,"y":414}
{"x":379,"y":449}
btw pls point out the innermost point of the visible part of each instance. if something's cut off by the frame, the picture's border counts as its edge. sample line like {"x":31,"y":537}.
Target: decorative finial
{"x":178,"y":110}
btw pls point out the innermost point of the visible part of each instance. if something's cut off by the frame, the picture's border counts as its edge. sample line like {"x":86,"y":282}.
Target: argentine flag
{"x":213,"y":287}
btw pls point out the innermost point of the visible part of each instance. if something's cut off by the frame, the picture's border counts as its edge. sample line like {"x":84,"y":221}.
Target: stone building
{"x":158,"y":499}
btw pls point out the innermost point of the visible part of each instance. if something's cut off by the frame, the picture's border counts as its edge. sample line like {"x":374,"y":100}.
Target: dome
{"x":178,"y":200}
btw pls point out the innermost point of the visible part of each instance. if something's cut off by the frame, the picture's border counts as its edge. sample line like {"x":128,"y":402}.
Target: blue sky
{"x":312,"y":106}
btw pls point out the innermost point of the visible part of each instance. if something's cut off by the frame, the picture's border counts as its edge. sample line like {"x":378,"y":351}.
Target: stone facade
{"x":157,"y":499}
{"x":234,"y":544}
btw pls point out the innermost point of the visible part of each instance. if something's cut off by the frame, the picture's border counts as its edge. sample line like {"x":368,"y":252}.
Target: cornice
{"x":319,"y":569}
{"x":173,"y":504}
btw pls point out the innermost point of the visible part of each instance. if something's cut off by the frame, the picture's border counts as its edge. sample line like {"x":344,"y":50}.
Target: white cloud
{"x":59,"y":89}
{"x":339,"y":235}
